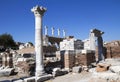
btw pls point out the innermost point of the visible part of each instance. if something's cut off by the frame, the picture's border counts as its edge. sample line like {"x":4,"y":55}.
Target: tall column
{"x":46,"y":30}
{"x":58,"y":32}
{"x":100,"y":48}
{"x":64,"y":34}
{"x":52,"y":31}
{"x":38,"y":13}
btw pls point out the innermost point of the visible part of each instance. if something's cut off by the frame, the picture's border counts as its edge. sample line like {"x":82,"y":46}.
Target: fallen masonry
{"x":102,"y":67}
{"x":110,"y":74}
{"x":7,"y":72}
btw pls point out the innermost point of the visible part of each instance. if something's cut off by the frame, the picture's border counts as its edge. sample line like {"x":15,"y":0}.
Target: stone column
{"x":9,"y":60}
{"x":58,"y":32}
{"x":46,"y":30}
{"x":52,"y":31}
{"x":38,"y":13}
{"x":100,"y":48}
{"x":92,"y":41}
{"x":4,"y":59}
{"x":64,"y":34}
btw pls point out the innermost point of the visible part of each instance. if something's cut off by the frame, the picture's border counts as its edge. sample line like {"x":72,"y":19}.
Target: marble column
{"x":46,"y":30}
{"x":64,"y":34}
{"x":52,"y":31}
{"x":38,"y":13}
{"x":58,"y":32}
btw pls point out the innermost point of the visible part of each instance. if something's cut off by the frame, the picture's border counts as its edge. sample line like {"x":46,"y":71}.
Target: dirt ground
{"x":70,"y":77}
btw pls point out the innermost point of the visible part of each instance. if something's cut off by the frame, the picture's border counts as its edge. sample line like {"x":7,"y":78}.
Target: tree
{"x":6,"y":40}
{"x":31,"y":43}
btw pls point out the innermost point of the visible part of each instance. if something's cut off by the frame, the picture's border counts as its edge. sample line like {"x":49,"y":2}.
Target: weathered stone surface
{"x":44,"y":78}
{"x":6,"y":72}
{"x":58,"y":72}
{"x":113,"y":61}
{"x":71,"y":43}
{"x":85,"y":58}
{"x":30,"y":79}
{"x":38,"y":13}
{"x":77,"y":69}
{"x":106,"y":75}
{"x":27,"y":68}
{"x":101,"y":67}
{"x":97,"y":79}
{"x":115,"y":69}
{"x":67,"y":58}
{"x":113,"y":49}
{"x":18,"y":81}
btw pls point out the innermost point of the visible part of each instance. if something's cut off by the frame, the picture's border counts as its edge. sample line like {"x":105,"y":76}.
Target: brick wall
{"x":110,"y":52}
{"x":85,"y":59}
{"x":67,"y":58}
{"x":113,"y":52}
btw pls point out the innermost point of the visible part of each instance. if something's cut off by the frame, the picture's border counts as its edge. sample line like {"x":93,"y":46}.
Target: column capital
{"x":38,"y":10}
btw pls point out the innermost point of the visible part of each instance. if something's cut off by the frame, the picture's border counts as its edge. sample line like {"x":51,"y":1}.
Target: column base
{"x":43,"y":77}
{"x":33,"y":79}
{"x":39,"y":73}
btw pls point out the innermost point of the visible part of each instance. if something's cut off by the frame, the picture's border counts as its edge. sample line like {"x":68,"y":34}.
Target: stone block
{"x":38,"y":79}
{"x":115,"y":69}
{"x":30,"y":79}
{"x":44,"y":78}
{"x":77,"y":69}
{"x":6,"y":72}
{"x":58,"y":72}
{"x":101,"y":67}
{"x":18,"y":80}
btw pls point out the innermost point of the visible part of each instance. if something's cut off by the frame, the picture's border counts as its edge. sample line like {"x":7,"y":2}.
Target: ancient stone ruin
{"x":53,"y":56}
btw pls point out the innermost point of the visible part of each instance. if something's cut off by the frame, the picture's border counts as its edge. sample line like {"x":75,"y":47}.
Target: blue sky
{"x":77,"y":17}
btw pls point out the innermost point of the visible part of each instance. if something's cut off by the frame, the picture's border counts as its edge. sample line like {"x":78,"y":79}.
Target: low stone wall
{"x":67,"y":58}
{"x":113,"y":52}
{"x":85,"y":59}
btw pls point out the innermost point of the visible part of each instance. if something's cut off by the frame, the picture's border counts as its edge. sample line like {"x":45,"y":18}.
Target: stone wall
{"x":85,"y":59}
{"x":74,"y":58}
{"x":67,"y":58}
{"x":71,"y":44}
{"x":113,"y":52}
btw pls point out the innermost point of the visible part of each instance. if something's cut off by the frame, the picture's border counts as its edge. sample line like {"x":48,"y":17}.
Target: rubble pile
{"x":101,"y":67}
{"x":27,"y":68}
{"x":58,"y":72}
{"x":108,"y":71}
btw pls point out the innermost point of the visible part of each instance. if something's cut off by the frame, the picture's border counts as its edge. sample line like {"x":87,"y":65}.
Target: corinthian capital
{"x":38,"y":10}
